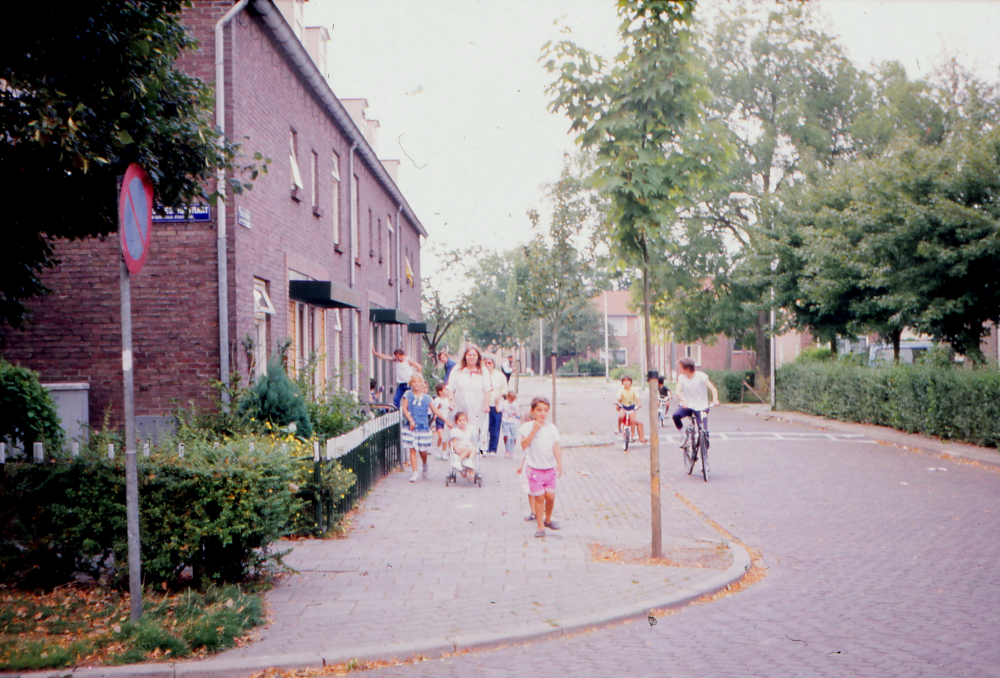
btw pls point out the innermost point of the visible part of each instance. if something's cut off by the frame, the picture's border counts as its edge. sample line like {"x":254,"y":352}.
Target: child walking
{"x":510,"y":422}
{"x":417,"y":405}
{"x":543,"y":461}
{"x":443,"y":403}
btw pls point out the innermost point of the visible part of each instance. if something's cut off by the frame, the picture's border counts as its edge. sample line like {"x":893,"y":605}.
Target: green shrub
{"x":590,"y":368}
{"x":27,"y":412}
{"x":216,"y":511}
{"x":277,"y":400}
{"x":336,"y":413}
{"x":620,"y":371}
{"x":730,"y":384}
{"x":813,"y":354}
{"x":951,"y":403}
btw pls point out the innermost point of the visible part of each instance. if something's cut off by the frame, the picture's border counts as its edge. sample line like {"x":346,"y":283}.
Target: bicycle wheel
{"x":703,"y":451}
{"x":688,"y":454}
{"x":626,"y":435}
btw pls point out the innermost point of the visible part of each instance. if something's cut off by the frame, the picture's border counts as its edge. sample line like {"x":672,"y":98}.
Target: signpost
{"x":135,"y":221}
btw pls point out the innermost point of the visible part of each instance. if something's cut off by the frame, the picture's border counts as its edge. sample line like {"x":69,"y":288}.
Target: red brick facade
{"x":75,"y":334}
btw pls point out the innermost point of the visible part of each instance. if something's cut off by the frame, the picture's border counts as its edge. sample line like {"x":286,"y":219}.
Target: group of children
{"x":539,"y":439}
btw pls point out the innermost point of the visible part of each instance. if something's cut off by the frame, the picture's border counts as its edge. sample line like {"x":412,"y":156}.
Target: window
{"x":338,"y":335}
{"x":355,"y":221}
{"x":618,"y":326}
{"x":335,"y":200}
{"x":371,"y":240}
{"x":314,"y":183}
{"x":294,"y":162}
{"x":378,"y":230}
{"x":262,"y":312}
{"x":693,"y":351}
{"x":389,"y":268}
{"x":307,"y":325}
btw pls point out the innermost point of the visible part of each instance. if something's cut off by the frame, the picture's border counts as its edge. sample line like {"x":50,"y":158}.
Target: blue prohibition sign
{"x":135,"y":219}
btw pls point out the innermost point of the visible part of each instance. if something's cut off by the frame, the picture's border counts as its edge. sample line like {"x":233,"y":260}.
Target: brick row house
{"x":322,"y":254}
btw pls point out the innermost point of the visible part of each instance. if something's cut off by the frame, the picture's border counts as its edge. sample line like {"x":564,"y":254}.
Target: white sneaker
{"x":413,"y":478}
{"x":423,"y":474}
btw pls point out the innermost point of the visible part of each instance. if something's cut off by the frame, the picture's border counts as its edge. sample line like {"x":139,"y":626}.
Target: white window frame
{"x":693,"y":351}
{"x":314,"y":179}
{"x":294,"y":162}
{"x":262,"y":308}
{"x":389,"y":259}
{"x":335,"y":201}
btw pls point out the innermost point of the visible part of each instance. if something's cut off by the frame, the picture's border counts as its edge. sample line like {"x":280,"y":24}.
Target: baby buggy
{"x":470,"y":466}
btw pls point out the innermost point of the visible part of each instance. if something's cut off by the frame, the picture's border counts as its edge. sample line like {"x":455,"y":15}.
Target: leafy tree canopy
{"x":86,"y":89}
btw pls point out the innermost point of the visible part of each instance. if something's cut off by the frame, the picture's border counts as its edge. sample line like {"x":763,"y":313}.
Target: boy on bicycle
{"x":692,"y":392}
{"x":628,"y":401}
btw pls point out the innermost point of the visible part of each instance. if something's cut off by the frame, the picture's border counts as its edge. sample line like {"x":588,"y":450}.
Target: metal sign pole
{"x":131,"y":470}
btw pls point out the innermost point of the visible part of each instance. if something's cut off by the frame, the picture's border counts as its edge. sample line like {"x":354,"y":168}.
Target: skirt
{"x":419,"y":440}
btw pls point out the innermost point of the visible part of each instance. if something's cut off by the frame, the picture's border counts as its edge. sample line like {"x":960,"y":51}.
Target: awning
{"x":420,"y":328}
{"x":323,"y":293}
{"x":389,"y":316}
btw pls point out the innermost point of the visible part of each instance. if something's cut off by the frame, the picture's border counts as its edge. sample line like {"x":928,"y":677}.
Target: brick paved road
{"x":882,"y":562}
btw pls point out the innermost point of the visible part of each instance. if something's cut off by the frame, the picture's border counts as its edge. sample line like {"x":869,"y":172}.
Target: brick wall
{"x":75,"y":335}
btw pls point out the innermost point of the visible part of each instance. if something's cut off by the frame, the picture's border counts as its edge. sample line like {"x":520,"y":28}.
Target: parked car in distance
{"x":909,"y":352}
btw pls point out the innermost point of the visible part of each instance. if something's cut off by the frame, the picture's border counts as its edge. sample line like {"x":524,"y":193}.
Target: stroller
{"x":470,"y":465}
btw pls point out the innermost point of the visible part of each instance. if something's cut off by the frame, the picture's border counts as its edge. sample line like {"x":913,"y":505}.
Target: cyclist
{"x":664,"y":400}
{"x":628,"y":400}
{"x":692,"y":392}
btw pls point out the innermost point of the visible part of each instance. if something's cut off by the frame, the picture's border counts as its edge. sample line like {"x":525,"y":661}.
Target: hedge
{"x":730,"y":384}
{"x":948,"y":402}
{"x":215,"y":511}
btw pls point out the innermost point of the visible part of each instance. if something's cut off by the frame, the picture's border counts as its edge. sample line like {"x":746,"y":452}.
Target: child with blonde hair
{"x":416,"y":436}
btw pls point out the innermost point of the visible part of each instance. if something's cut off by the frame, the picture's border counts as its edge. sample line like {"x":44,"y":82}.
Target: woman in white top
{"x":470,"y":386}
{"x":405,"y":369}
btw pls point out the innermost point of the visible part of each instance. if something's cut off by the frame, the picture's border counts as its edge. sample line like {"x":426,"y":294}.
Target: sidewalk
{"x":884,"y":434}
{"x":429,"y":569}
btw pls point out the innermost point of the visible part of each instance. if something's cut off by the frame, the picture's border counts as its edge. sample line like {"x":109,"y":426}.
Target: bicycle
{"x":661,"y":411}
{"x":696,"y":444}
{"x":627,"y":430}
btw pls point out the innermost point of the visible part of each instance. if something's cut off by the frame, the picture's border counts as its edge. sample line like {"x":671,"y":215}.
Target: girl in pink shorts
{"x":542,"y":463}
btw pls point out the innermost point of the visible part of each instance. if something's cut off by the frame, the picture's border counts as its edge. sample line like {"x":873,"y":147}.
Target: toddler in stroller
{"x":464,"y":457}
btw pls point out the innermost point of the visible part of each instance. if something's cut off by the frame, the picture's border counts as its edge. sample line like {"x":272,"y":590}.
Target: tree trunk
{"x":653,"y":430}
{"x":896,"y":334}
{"x":728,"y":364}
{"x":763,"y":366}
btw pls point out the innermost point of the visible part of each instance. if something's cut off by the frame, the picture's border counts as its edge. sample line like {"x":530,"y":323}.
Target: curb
{"x":436,"y":647}
{"x":921,"y":444}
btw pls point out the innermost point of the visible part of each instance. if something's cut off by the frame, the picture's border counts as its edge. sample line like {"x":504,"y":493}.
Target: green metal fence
{"x":370,"y":451}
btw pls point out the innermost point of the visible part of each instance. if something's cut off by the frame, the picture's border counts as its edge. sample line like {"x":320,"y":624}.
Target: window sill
{"x":295,"y":194}
{"x":336,"y":248}
{"x":317,"y":211}
{"x":357,"y":262}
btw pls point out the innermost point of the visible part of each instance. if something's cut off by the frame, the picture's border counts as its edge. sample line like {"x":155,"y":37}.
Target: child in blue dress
{"x":417,"y":406}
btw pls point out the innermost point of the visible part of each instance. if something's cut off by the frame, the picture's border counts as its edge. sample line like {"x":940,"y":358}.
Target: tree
{"x":496,"y":315}
{"x":636,"y":115}
{"x":85,"y":90}
{"x":441,"y":314}
{"x":789,"y":96}
{"x":908,"y":239}
{"x":556,"y":278}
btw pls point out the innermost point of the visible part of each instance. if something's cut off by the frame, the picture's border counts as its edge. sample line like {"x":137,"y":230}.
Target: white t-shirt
{"x":461,"y":438}
{"x":540,"y":454}
{"x":694,"y":389}
{"x":404,"y":371}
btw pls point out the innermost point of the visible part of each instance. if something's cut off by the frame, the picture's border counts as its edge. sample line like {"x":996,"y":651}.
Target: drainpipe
{"x":220,"y":121}
{"x":399,"y":236}
{"x":352,"y":254}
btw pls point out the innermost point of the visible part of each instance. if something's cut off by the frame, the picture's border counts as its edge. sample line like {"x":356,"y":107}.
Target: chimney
{"x":316,"y":39}
{"x":356,"y":108}
{"x":392,"y":167}
{"x":293,"y":11}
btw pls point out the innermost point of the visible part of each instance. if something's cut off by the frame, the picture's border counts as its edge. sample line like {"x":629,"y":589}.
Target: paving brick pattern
{"x":429,"y":562}
{"x":882,"y":562}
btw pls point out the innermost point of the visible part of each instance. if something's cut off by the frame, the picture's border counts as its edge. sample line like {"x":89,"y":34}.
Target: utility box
{"x":73,"y":403}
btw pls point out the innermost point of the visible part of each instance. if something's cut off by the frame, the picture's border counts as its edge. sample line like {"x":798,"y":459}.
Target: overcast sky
{"x":458,"y":90}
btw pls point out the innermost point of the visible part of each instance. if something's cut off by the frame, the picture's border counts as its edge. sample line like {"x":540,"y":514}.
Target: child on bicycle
{"x":628,"y":400}
{"x":692,"y":392}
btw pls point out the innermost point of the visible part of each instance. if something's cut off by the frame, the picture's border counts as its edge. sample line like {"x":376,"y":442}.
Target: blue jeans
{"x":509,"y":429}
{"x":398,"y":398}
{"x":495,"y":420}
{"x":685,"y":412}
